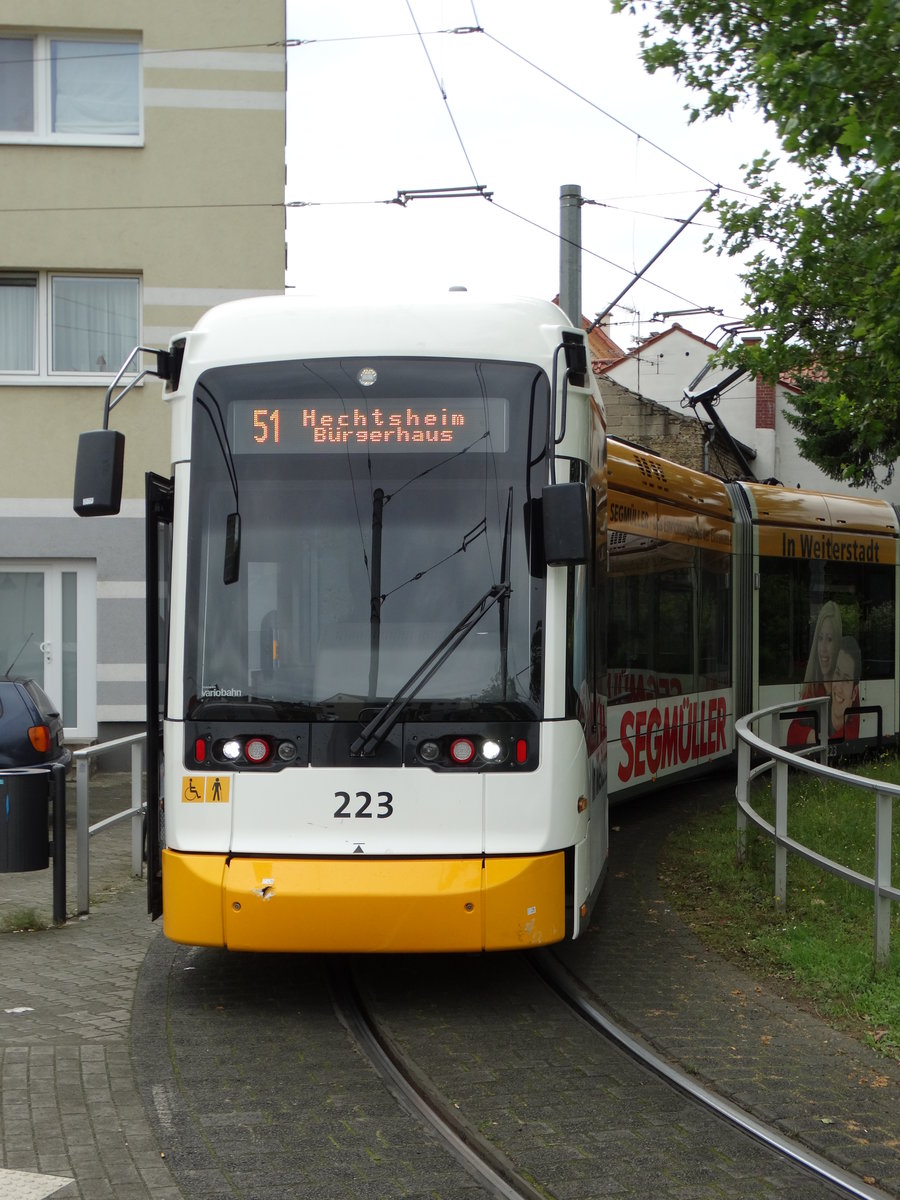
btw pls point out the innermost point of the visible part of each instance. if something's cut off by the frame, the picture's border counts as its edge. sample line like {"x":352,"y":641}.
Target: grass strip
{"x":819,"y":947}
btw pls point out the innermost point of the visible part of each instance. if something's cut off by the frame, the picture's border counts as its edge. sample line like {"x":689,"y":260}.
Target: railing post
{"x":883,"y":821}
{"x":775,"y":729}
{"x":743,"y":784}
{"x":824,"y":706}
{"x":82,"y":836}
{"x":780,"y":796}
{"x":780,"y":790}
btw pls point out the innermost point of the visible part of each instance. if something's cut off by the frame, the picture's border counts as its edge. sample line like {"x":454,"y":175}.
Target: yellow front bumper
{"x":352,"y":905}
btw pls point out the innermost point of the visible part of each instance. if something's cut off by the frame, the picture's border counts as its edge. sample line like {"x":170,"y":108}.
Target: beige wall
{"x":196,"y":211}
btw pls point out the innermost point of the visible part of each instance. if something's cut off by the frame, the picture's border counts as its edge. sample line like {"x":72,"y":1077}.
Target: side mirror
{"x":98,"y":473}
{"x":565,"y":524}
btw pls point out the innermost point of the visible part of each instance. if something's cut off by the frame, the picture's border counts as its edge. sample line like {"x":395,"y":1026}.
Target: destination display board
{"x":336,"y":425}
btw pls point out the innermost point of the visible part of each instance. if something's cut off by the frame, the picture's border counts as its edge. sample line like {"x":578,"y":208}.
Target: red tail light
{"x":257,"y":749}
{"x":39,"y":736}
{"x":462,"y":750}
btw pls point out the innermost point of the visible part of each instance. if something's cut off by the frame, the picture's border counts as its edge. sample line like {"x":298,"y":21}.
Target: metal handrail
{"x":777,"y":760}
{"x":84,"y":831}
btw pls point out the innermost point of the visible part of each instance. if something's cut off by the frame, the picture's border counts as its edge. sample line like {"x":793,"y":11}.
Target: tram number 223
{"x":361,"y":805}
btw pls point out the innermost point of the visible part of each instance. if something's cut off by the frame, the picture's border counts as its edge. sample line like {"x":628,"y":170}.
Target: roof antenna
{"x":19,"y":655}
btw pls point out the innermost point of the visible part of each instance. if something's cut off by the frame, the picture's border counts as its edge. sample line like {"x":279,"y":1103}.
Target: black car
{"x":31,"y":729}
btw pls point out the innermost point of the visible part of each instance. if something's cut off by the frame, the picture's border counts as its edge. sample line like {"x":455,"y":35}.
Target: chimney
{"x":765,"y":397}
{"x":765,"y":405}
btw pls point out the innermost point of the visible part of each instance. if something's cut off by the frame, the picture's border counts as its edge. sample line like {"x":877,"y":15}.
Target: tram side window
{"x":807,"y":605}
{"x":651,"y":618}
{"x":715,"y":620}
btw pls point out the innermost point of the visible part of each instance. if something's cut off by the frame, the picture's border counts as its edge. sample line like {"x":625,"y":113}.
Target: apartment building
{"x":142,"y":181}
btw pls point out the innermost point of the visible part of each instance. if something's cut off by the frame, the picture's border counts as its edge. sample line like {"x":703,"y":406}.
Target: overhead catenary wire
{"x":299,"y":43}
{"x":443,"y":94}
{"x":290,"y":43}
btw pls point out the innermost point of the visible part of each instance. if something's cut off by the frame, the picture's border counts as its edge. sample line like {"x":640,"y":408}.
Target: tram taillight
{"x":257,"y":749}
{"x":462,"y":750}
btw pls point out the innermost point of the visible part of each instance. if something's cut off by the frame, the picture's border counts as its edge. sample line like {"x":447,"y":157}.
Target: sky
{"x":380,"y":101}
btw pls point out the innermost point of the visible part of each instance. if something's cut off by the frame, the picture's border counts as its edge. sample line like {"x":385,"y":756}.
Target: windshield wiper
{"x":384,"y":721}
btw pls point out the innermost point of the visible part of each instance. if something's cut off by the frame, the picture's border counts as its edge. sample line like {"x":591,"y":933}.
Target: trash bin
{"x":24,"y":820}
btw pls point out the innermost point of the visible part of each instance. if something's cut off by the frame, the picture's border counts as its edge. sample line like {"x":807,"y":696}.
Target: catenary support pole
{"x":570,"y":252}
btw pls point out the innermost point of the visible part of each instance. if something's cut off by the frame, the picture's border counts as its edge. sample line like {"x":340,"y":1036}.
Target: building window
{"x":64,"y":328}
{"x":18,"y":323}
{"x":69,"y":90}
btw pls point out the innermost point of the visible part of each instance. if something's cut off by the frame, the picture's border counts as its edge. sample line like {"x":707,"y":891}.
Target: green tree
{"x":823,"y":276}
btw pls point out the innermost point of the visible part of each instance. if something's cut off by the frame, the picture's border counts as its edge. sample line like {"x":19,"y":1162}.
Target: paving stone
{"x":137,"y":1070}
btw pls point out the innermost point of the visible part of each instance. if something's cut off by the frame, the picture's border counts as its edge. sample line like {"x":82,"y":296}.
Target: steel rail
{"x":482,"y":1160}
{"x":567,"y":988}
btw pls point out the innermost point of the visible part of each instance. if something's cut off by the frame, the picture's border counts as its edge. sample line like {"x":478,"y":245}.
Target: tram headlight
{"x":231,"y":749}
{"x":429,"y":752}
{"x":491,"y":750}
{"x":287,"y":751}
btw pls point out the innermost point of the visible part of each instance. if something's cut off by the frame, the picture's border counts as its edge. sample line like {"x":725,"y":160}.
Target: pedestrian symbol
{"x":217,"y":790}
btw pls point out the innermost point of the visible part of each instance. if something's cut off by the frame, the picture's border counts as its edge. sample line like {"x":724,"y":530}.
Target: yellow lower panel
{"x":525,"y":901}
{"x":192,"y":898}
{"x":358,"y":906}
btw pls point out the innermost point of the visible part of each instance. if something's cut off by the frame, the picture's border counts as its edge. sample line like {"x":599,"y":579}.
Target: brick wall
{"x":765,"y":405}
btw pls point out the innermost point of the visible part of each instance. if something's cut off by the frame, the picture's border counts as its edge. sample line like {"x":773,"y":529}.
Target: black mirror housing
{"x":99,"y":468}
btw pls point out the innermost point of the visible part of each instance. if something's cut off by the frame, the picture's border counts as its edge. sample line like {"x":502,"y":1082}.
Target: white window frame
{"x":43,"y":375}
{"x":43,"y":133}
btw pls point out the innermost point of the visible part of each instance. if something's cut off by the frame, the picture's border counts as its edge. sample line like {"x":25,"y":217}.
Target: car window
{"x":45,"y":705}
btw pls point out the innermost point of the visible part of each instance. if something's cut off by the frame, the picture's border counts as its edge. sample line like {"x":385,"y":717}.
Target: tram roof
{"x":454,"y":324}
{"x":820,"y":510}
{"x":644,"y":473}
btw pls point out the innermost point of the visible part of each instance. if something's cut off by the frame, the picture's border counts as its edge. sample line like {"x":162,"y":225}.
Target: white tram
{"x":397,"y":593}
{"x":378,"y":595}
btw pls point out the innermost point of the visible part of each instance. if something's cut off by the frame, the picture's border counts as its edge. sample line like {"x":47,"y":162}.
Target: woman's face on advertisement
{"x":844,"y":684}
{"x":826,"y":648}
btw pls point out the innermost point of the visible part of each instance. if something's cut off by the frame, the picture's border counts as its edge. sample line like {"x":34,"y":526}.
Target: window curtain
{"x":95,"y":87}
{"x":17,"y":84}
{"x":94,"y":323}
{"x":18,"y":309}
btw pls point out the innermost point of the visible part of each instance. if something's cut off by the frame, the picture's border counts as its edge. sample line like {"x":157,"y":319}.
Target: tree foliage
{"x":823,"y":276}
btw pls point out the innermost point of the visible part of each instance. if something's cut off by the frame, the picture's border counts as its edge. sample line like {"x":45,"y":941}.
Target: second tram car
{"x":726,"y":598}
{"x":413,"y":621}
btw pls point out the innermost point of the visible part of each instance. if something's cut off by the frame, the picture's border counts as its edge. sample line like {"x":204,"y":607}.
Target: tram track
{"x":567,"y":988}
{"x":410,"y":1082}
{"x":413,"y":1090}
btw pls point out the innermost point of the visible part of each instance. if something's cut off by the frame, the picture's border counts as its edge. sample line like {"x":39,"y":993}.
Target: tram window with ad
{"x":827,"y":628}
{"x":670,"y":672}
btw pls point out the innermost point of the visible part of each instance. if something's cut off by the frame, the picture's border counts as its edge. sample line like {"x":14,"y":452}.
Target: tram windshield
{"x":380,"y":500}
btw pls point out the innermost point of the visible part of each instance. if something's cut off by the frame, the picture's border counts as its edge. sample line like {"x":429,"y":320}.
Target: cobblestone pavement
{"x":69,"y":1107}
{"x":103,"y":1060}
